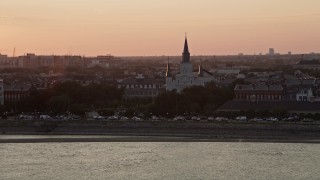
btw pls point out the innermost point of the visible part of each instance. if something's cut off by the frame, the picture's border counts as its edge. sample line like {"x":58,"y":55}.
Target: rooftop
{"x":259,"y":87}
{"x":17,"y":87}
{"x":309,"y":62}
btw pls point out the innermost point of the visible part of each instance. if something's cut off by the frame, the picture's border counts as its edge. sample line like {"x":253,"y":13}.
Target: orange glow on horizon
{"x":144,"y":27}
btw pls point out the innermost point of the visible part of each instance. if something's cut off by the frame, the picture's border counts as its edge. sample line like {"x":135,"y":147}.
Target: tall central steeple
{"x":186,"y":53}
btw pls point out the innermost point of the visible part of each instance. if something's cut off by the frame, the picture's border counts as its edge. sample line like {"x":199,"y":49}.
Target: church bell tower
{"x":186,"y":53}
{"x":186,"y":66}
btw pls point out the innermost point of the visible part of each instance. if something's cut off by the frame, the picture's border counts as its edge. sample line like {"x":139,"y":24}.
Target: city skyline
{"x":144,"y":28}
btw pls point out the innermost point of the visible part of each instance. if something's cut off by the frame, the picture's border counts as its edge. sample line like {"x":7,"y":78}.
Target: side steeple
{"x":168,"y":72}
{"x":200,"y":72}
{"x":186,"y":53}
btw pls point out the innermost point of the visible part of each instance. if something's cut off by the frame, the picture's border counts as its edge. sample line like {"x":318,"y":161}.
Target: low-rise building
{"x":31,"y":60}
{"x":308,"y":64}
{"x":141,"y":87}
{"x":261,"y":92}
{"x":15,"y":92}
{"x":226,"y":71}
{"x":305,"y":95}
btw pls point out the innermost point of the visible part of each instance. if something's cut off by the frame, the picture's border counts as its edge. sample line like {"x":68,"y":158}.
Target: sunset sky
{"x":157,"y":27}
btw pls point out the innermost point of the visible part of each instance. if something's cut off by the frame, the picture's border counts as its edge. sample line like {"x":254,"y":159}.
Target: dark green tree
{"x":78,"y":109}
{"x":59,"y":104}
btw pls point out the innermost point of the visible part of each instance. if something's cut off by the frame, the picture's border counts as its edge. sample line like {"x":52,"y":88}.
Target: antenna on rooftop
{"x":14,"y":52}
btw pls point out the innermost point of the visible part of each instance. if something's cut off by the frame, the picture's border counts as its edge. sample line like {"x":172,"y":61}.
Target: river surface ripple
{"x":159,"y":160}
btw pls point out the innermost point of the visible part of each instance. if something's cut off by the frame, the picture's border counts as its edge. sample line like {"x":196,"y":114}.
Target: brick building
{"x":15,"y":92}
{"x":260,"y":92}
{"x":141,"y":87}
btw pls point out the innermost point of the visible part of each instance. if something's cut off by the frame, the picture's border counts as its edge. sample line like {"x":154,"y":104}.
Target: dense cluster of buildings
{"x":147,"y":80}
{"x":31,"y":60}
{"x":260,"y":90}
{"x":297,"y":93}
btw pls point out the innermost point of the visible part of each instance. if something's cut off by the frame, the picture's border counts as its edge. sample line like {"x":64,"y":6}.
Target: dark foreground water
{"x":159,"y":160}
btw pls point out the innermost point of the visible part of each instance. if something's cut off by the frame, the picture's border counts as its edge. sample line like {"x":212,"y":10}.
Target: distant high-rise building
{"x":271,"y":52}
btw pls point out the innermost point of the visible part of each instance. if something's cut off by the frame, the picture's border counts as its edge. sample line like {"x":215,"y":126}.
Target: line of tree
{"x":193,"y":100}
{"x":196,"y":100}
{"x":71,"y":97}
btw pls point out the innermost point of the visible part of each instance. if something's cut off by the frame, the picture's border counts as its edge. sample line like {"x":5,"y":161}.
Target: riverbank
{"x":141,"y":138}
{"x":150,"y":131}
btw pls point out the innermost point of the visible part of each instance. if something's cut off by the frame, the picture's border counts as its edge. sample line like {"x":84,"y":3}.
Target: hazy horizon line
{"x":176,"y":55}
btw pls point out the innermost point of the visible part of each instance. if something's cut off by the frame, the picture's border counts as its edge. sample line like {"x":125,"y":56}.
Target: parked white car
{"x":273,"y":119}
{"x":26,"y":117}
{"x":221,"y":119}
{"x":179,"y":118}
{"x":211,"y":118}
{"x":98,"y":117}
{"x":241,"y":118}
{"x":44,"y":116}
{"x":124,"y":118}
{"x":135,"y":118}
{"x":113,"y":118}
{"x":195,"y":118}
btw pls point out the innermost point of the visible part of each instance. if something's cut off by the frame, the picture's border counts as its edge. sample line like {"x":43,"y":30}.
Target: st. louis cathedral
{"x":186,"y":77}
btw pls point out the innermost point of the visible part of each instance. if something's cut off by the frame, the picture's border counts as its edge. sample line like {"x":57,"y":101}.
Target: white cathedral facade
{"x":186,"y":77}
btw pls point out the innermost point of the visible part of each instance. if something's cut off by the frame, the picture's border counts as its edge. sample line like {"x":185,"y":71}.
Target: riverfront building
{"x":259,"y":92}
{"x":308,"y":64}
{"x":141,"y":87}
{"x":15,"y":92}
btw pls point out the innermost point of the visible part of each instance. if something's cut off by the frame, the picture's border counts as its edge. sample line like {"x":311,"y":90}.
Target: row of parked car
{"x":243,"y":118}
{"x":286,"y":119}
{"x":124,"y":118}
{"x":47,"y":117}
{"x":156,"y":118}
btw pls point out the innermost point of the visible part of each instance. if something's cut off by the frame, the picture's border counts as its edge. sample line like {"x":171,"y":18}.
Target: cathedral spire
{"x":186,"y":53}
{"x":186,"y":48}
